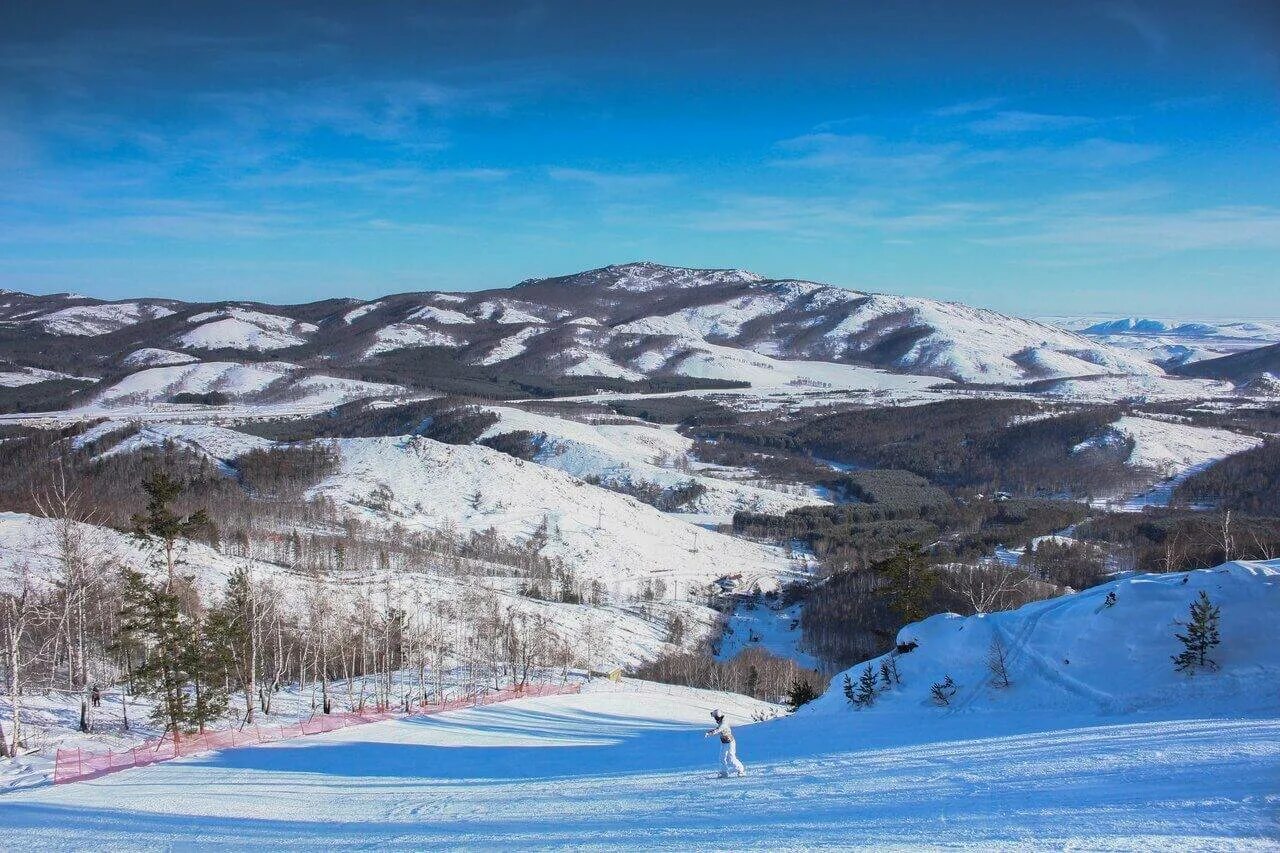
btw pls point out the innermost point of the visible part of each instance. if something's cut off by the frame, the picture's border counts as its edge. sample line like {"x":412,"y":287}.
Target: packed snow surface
{"x":624,"y":766}
{"x":765,"y":623}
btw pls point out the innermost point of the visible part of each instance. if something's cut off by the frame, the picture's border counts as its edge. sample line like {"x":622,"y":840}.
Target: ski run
{"x":1096,"y":742}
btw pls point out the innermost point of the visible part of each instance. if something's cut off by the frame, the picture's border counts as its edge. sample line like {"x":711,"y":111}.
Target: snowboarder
{"x":728,"y":746}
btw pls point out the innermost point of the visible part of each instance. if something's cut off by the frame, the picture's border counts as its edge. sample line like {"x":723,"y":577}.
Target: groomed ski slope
{"x":1167,"y":764}
{"x":631,"y":770}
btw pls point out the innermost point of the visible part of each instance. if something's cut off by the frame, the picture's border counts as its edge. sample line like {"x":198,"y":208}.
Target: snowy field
{"x":627,"y":766}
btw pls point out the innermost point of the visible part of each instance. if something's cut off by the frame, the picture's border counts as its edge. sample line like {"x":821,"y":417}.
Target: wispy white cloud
{"x":1089,"y":155}
{"x":612,"y":182}
{"x":827,"y":216}
{"x":964,"y":108}
{"x":1160,"y":232}
{"x":1018,"y":121}
{"x":876,"y":157}
{"x":388,"y":179}
{"x":1141,"y":22}
{"x":867,"y":154}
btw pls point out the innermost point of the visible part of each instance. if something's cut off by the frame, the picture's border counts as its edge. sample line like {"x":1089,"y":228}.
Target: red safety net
{"x":75,"y":764}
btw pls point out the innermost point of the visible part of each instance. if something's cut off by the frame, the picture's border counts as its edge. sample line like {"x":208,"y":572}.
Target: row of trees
{"x":84,"y":615}
{"x":753,"y":672}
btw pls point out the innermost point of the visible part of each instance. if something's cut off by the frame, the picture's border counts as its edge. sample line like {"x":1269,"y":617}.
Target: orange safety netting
{"x":75,"y":764}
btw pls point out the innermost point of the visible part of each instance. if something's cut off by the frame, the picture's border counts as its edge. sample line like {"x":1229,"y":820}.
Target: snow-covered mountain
{"x":1254,"y":365}
{"x":1175,"y":342}
{"x":627,"y":322}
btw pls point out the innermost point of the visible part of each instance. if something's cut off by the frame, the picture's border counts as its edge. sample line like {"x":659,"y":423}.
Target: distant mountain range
{"x":630,"y":322}
{"x":1175,"y":342}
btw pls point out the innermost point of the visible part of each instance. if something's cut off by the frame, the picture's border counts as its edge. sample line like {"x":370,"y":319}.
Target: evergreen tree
{"x":848,"y":688}
{"x":866,"y":695}
{"x":1201,"y":636}
{"x":909,"y":583}
{"x":998,"y":663}
{"x":942,"y":691}
{"x":801,"y":693}
{"x":231,"y":656}
{"x":160,"y":525}
{"x":151,"y":617}
{"x":179,"y":668}
{"x":889,"y":671}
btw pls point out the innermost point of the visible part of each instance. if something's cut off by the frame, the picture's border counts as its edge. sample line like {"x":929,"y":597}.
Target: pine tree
{"x":801,"y":693}
{"x":909,"y":583}
{"x":889,"y":671}
{"x":179,"y":663}
{"x":160,"y":525}
{"x":866,"y":695}
{"x":1200,"y":638}
{"x":151,"y":616}
{"x":232,"y":640}
{"x":942,"y":691}
{"x":998,"y":663}
{"x":848,"y":688}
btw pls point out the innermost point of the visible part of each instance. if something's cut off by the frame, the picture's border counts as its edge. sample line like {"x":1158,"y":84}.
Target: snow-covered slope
{"x":792,"y":320}
{"x":243,"y":329}
{"x":1076,"y":655}
{"x":625,"y":766}
{"x":269,"y":381}
{"x":1170,"y":450}
{"x":617,"y":540}
{"x":623,"y":456}
{"x":93,"y":320}
{"x":156,"y":357}
{"x":1175,"y":342}
{"x":14,"y":377}
{"x":405,"y":335}
{"x":1173,"y":448}
{"x":213,"y":442}
{"x":626,"y":635}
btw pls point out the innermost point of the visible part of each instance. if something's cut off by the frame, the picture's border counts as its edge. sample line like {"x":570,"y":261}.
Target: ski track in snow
{"x":620,"y":768}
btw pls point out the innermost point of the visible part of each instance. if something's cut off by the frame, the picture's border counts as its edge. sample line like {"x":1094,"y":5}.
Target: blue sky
{"x":1038,"y":158}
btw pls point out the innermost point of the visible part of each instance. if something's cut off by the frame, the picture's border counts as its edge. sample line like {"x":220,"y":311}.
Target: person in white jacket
{"x":728,"y":746}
